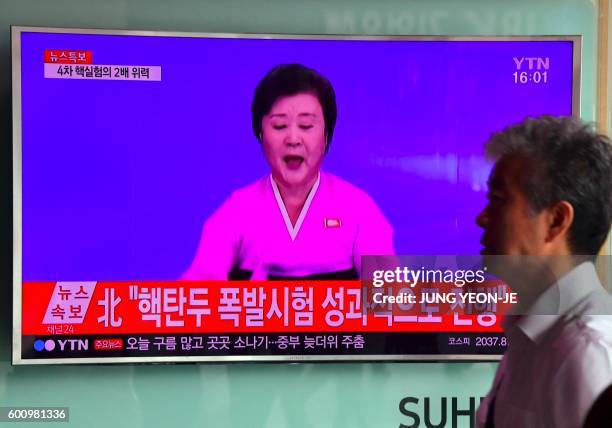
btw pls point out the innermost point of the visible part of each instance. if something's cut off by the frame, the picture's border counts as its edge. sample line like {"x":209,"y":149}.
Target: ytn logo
{"x":61,"y":345}
{"x":532,"y":63}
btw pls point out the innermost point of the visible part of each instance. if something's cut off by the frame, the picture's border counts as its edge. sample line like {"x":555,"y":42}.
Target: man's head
{"x":550,"y":191}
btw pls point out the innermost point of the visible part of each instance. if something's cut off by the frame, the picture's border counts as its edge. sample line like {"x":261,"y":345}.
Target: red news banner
{"x":63,"y":56}
{"x":88,"y":307}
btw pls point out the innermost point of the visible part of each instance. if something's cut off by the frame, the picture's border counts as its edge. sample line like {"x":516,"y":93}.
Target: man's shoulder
{"x":585,"y":321}
{"x":587,"y":330}
{"x":585,"y":360}
{"x":581,"y":346}
{"x":589,"y":322}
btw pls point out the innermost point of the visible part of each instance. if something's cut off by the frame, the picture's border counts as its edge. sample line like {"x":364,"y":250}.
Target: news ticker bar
{"x":262,"y":344}
{"x":34,"y":414}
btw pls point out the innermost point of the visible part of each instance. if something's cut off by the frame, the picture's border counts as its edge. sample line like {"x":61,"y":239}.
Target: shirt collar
{"x":556,"y":301}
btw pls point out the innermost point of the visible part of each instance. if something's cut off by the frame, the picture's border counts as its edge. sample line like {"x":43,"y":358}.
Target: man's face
{"x":293,"y":135}
{"x":510,"y":226}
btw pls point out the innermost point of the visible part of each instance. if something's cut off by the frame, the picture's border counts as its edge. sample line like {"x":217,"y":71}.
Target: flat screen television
{"x":149,"y":224}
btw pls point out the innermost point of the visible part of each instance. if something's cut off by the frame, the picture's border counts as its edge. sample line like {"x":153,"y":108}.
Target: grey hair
{"x":567,"y":161}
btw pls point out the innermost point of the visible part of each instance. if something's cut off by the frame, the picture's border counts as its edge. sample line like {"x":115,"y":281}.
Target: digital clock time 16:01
{"x":530,"y":77}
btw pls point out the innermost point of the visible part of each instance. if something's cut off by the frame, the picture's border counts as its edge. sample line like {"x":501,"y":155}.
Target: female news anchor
{"x":298,"y":222}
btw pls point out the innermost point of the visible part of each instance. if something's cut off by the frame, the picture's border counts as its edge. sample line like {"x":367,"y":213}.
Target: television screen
{"x":227,"y":197}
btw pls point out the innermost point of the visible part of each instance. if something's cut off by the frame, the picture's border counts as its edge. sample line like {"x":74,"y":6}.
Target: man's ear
{"x":560,"y":219}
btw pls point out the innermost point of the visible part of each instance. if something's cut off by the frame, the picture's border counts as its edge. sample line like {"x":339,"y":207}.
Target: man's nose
{"x":482,"y":219}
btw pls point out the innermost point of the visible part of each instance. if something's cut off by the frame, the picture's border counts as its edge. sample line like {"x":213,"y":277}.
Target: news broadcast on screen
{"x":242,"y":197}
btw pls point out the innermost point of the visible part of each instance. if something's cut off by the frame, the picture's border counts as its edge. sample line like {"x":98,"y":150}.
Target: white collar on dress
{"x":293,"y":230}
